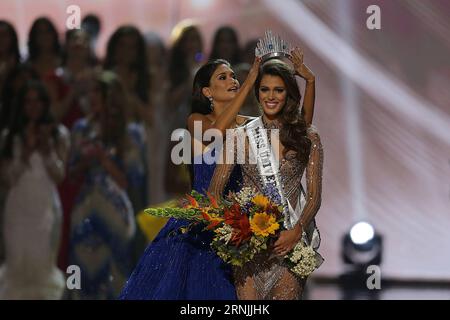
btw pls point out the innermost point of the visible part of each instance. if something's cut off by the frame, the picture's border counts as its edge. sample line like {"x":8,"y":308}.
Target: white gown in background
{"x":32,"y":224}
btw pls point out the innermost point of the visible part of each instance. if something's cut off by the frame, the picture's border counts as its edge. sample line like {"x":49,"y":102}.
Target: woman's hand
{"x":287,"y":241}
{"x":300,"y":68}
{"x":253,"y":73}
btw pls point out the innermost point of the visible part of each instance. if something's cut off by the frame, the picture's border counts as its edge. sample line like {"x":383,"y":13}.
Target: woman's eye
{"x":264,"y":89}
{"x":222,"y":78}
{"x":280,"y":90}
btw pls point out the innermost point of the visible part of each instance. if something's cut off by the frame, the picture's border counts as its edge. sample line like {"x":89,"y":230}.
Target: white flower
{"x":303,"y":258}
{"x":224,"y":233}
{"x":245,"y":195}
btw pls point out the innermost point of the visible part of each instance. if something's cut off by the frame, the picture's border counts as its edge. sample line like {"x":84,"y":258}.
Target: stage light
{"x":361,"y":232}
{"x":362,"y":246}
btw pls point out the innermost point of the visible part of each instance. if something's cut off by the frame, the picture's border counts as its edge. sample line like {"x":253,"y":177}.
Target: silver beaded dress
{"x":266,"y":277}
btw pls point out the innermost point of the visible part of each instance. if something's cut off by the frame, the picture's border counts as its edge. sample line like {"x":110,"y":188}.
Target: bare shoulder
{"x":197,"y":117}
{"x":194,"y":117}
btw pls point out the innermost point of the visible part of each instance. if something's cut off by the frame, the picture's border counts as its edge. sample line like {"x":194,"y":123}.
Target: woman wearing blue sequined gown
{"x":182,"y":266}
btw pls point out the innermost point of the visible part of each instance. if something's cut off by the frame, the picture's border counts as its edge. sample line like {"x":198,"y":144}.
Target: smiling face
{"x":272,"y":95}
{"x":223,"y":85}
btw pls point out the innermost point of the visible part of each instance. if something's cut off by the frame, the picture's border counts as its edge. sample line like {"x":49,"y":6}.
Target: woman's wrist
{"x":299,"y":229}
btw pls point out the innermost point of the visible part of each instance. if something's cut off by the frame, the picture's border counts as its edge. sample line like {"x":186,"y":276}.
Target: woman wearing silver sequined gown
{"x":300,"y":150}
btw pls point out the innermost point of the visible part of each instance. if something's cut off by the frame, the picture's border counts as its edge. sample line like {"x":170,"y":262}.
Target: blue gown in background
{"x":182,"y":266}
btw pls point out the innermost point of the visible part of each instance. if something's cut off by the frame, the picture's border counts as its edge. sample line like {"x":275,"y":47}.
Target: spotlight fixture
{"x":362,"y":246}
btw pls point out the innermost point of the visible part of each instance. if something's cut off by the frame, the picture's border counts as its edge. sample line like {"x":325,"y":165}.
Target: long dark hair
{"x":178,"y":68}
{"x":20,"y":119}
{"x":14,"y":81}
{"x":139,"y":65}
{"x":14,"y":50}
{"x":215,"y":54}
{"x":199,"y":103}
{"x":33,"y":49}
{"x":293,"y":133}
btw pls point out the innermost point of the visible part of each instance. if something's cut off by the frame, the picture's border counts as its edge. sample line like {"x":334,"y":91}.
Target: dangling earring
{"x":212,"y":103}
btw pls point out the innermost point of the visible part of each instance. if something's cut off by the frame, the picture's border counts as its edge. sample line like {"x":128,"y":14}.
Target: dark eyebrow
{"x":225,"y":73}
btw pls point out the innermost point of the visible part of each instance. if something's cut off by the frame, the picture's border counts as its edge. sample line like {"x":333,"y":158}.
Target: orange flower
{"x":192,"y":201}
{"x":212,"y":200}
{"x":213,"y":220}
{"x":240,"y":224}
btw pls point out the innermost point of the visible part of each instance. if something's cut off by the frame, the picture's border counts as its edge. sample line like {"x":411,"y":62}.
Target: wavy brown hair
{"x":293,"y":133}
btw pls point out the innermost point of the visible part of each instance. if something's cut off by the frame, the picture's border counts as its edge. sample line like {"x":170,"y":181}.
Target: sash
{"x":268,"y":169}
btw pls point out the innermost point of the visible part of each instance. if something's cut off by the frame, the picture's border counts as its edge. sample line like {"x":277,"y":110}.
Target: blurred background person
{"x":9,"y":53}
{"x":226,"y":46}
{"x":33,"y":156}
{"x":158,"y":134}
{"x":44,"y":47}
{"x":126,"y":56}
{"x":108,"y":153}
{"x":44,"y":56}
{"x":76,"y":71}
{"x":92,"y":25}
{"x":186,"y":57}
{"x":15,"y":80}
{"x":77,"y":74}
{"x":9,"y":59}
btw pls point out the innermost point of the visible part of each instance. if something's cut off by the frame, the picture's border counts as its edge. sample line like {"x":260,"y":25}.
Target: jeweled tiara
{"x":272,"y":46}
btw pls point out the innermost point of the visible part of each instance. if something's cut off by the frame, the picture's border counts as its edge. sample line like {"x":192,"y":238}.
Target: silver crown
{"x":272,"y":46}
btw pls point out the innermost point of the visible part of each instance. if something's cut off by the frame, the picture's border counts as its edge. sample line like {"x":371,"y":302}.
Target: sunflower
{"x":261,"y":201}
{"x":263,"y":224}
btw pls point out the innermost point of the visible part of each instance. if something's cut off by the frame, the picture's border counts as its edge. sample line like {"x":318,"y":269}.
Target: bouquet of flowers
{"x":245,"y":224}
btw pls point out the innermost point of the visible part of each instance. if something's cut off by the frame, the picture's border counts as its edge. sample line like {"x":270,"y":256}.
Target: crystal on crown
{"x":272,"y":46}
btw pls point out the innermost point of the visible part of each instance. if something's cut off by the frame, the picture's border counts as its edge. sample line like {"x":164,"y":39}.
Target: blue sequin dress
{"x":183,"y":266}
